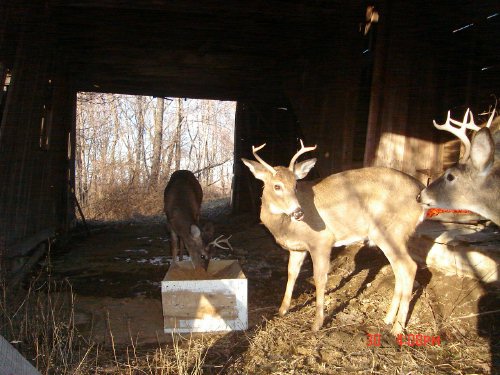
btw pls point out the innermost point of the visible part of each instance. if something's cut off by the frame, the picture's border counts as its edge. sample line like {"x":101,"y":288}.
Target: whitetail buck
{"x":182,"y":202}
{"x":474,"y":182}
{"x":375,"y":204}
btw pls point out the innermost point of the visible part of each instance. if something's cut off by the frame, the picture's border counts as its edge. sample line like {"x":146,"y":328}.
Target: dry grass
{"x":285,"y":345}
{"x":42,"y":323}
{"x":185,"y":356}
{"x":279,"y":346}
{"x":42,"y":327}
{"x":124,"y":202}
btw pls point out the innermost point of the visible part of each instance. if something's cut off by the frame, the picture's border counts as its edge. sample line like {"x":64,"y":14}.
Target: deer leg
{"x":174,"y":245}
{"x":404,"y":272}
{"x":396,"y":297}
{"x":294,"y":263}
{"x":404,"y":268}
{"x":407,"y":271}
{"x":321,"y":265}
{"x":182,"y":247}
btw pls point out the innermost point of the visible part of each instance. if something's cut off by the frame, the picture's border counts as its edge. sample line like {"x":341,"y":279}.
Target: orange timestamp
{"x":406,"y":340}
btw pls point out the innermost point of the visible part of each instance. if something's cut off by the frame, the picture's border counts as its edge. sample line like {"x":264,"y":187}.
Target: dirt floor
{"x":116,"y":273}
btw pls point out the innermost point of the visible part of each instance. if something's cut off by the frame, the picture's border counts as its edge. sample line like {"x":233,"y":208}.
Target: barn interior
{"x":363,"y":80}
{"x":364,"y":88}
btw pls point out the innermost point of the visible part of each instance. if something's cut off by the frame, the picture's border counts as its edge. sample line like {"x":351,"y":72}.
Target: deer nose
{"x":298,"y":214}
{"x":205,"y":256}
{"x":204,"y":261}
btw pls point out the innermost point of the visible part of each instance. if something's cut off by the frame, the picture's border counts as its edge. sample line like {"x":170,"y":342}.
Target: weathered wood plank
{"x":12,"y":362}
{"x":195,"y":300}
{"x":459,"y":249}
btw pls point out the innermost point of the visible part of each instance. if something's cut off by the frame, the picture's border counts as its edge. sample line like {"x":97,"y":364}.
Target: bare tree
{"x":138,"y":172}
{"x":178,"y":133}
{"x":126,"y":145}
{"x":157,"y":141}
{"x":116,"y":136}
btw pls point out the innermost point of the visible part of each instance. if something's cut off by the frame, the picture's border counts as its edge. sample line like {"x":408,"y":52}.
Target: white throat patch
{"x":275,"y":209}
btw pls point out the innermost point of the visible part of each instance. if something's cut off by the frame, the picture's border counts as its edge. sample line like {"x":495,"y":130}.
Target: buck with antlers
{"x":375,"y":204}
{"x":182,"y":202}
{"x":474,"y":182}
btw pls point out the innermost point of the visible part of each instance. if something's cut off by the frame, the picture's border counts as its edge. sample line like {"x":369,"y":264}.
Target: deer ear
{"x":195,"y":231}
{"x":302,"y":169}
{"x":256,"y":168}
{"x":482,"y":150}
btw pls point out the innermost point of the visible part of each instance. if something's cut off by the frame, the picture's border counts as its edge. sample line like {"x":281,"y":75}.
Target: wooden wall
{"x":371,"y":100}
{"x":423,"y":67}
{"x":34,"y":163}
{"x":323,"y":92}
{"x":364,"y":100}
{"x":324,"y":89}
{"x":404,"y":94}
{"x":258,"y":123}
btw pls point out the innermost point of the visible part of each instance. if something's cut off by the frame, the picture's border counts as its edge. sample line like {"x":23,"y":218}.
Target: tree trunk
{"x":157,"y":142}
{"x":139,"y":114}
{"x":178,"y":132}
{"x":116,"y":135}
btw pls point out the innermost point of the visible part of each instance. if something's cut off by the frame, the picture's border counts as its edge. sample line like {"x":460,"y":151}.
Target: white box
{"x":199,"y":301}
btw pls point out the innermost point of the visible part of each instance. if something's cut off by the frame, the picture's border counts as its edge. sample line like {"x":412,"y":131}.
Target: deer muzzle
{"x":298,"y":214}
{"x":425,"y":199}
{"x":205,"y":259}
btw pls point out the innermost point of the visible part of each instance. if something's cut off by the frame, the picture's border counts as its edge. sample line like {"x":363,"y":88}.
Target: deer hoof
{"x":397,"y":329}
{"x":318,"y":323}
{"x":283,"y":310}
{"x":389,"y":319}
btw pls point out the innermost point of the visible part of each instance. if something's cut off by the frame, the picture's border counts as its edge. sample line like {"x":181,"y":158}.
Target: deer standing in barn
{"x":182,"y":203}
{"x":474,"y":182}
{"x":375,"y":204}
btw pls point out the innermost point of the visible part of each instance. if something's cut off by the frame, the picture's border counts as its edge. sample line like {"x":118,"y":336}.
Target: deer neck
{"x":491,"y":212}
{"x":277,"y":224}
{"x":486,"y":206}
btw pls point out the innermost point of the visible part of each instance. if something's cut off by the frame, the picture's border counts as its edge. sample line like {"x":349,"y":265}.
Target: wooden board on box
{"x":195,"y":300}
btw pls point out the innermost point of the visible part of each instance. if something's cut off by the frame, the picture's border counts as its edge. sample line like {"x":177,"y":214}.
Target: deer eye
{"x":277,"y":187}
{"x":450,"y":177}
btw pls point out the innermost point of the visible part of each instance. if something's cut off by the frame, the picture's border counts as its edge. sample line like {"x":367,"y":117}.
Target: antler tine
{"x":458,"y":132}
{"x":469,"y":125}
{"x":218,"y":241}
{"x":490,"y":120}
{"x":302,"y":150}
{"x":259,"y":159}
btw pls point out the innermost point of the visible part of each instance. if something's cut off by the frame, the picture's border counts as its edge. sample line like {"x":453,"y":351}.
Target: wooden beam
{"x":25,"y":266}
{"x":29,"y":243}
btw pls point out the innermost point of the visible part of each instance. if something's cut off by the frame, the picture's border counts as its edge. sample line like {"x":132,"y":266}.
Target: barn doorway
{"x":128,"y":146}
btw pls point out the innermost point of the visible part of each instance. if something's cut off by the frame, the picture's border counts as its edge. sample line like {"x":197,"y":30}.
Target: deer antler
{"x":259,"y":159}
{"x":302,"y":150}
{"x":490,"y":120}
{"x":221,"y":240}
{"x":459,"y":131}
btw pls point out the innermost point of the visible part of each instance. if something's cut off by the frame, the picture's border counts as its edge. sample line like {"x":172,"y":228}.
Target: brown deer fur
{"x":375,"y":204}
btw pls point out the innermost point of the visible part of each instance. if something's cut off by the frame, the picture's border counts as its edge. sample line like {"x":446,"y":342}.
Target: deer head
{"x":474,"y":182}
{"x":280,"y":183}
